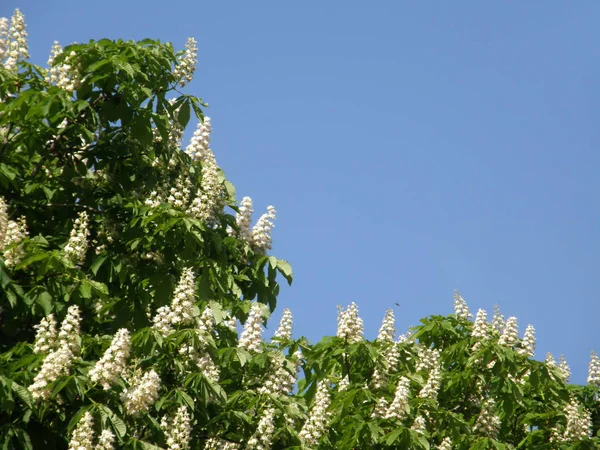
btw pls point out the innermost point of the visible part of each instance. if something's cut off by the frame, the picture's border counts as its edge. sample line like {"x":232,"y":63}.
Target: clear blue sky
{"x":410,"y":148}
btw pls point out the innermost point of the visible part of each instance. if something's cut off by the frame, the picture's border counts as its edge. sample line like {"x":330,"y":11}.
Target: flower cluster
{"x":279,"y":379}
{"x":284,"y":330}
{"x":251,"y":337}
{"x":430,"y":390}
{"x":380,"y":409}
{"x":487,"y":423}
{"x":77,"y":245}
{"x":528,"y":342}
{"x":594,"y":370}
{"x":181,"y":310}
{"x":83,"y":435}
{"x":578,"y":426}
{"x":350,"y":325}
{"x":481,"y":329}
{"x":427,"y":358}
{"x":510,"y":334}
{"x":56,"y":364}
{"x":209,"y":198}
{"x":15,"y":234}
{"x":177,"y":429}
{"x":564,"y":368}
{"x":460,"y":307}
{"x":388,"y":327}
{"x":259,"y":237}
{"x":419,"y":425}
{"x":316,"y":424}
{"x":243,"y":219}
{"x":179,"y":195}
{"x":186,"y":66}
{"x":263,"y":436}
{"x":446,"y":444}
{"x":62,"y":349}
{"x":112,"y":364}
{"x":261,"y":231}
{"x":106,"y":441}
{"x":13,"y":43}
{"x":68,"y":336}
{"x":3,"y":218}
{"x":142,"y":393}
{"x":65,"y":74}
{"x":46,"y":335}
{"x":391,"y":355}
{"x":498,"y":323}
{"x":4,"y":23}
{"x":399,"y":406}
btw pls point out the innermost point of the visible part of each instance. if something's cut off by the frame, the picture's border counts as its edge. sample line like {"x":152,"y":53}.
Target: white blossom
{"x":388,"y":327}
{"x":3,"y":208}
{"x":419,"y":425}
{"x":528,"y":342}
{"x":16,"y":233}
{"x":510,"y":334}
{"x":106,"y":441}
{"x":564,"y":368}
{"x":14,"y":43}
{"x":550,"y":361}
{"x":83,"y":435}
{"x":391,"y":356}
{"x":498,"y":323}
{"x":380,"y":409}
{"x":399,"y":406}
{"x":579,"y":422}
{"x":446,"y":444}
{"x":69,"y":329}
{"x":261,"y":232}
{"x":3,"y":42}
{"x":343,"y":383}
{"x":251,"y":337}
{"x":56,"y":364}
{"x":77,"y":245}
{"x":181,"y":310}
{"x":186,"y":64}
{"x":214,"y":443}
{"x":460,"y":307}
{"x":46,"y":337}
{"x":284,"y":331}
{"x":142,"y":393}
{"x":427,"y":358}
{"x":487,"y":423}
{"x":179,"y":194}
{"x":481,"y":329}
{"x":112,"y":364}
{"x":243,"y":219}
{"x":263,"y":436}
{"x":350,"y":325}
{"x":177,"y":430}
{"x":316,"y":424}
{"x":279,"y":379}
{"x":209,"y":198}
{"x":594,"y":370}
{"x":430,"y":390}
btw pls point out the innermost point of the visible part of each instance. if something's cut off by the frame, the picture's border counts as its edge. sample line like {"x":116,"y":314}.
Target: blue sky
{"x":410,"y":148}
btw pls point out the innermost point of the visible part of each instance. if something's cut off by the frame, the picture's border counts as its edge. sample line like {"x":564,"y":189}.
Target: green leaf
{"x":183,"y":117}
{"x":45,"y":301}
{"x":285,"y":269}
{"x":97,"y":264}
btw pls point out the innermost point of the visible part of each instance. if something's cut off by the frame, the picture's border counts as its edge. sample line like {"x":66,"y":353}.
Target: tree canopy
{"x":134,"y":291}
